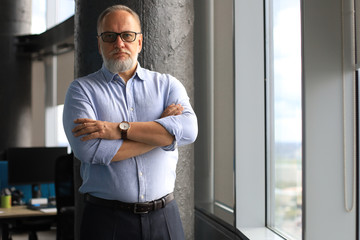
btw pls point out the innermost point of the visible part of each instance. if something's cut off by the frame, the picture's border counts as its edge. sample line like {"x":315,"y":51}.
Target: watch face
{"x":124,"y":126}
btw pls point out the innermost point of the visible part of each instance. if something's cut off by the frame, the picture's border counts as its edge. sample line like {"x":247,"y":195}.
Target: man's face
{"x":120,"y":56}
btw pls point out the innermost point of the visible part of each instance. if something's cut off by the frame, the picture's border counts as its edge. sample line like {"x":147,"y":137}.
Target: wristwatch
{"x":124,"y":127}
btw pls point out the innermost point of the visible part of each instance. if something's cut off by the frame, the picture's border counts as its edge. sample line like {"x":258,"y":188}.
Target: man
{"x":124,"y":124}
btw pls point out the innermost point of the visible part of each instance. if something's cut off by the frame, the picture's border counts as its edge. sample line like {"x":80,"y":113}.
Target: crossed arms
{"x":142,"y":136}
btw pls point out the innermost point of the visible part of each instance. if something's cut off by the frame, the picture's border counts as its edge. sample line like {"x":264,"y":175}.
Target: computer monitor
{"x":33,"y":165}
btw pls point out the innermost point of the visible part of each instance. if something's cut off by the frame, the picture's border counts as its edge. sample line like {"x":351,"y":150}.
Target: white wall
{"x":38,"y":104}
{"x":325,"y":215}
{"x":250,"y":114}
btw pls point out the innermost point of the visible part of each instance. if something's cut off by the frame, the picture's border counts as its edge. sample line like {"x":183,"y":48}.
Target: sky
{"x":41,"y":20}
{"x":287,"y":71}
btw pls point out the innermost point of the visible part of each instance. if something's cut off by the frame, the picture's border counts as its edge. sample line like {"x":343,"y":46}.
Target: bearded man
{"x":125,"y":123}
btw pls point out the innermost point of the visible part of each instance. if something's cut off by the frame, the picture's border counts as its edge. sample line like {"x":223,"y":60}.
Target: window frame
{"x":321,"y":84}
{"x":270,"y":115}
{"x":249,"y":108}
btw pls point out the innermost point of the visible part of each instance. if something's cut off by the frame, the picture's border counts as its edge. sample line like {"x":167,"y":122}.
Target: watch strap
{"x":124,"y":134}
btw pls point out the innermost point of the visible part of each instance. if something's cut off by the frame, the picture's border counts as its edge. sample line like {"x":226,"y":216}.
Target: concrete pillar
{"x":15,"y":75}
{"x":168,"y":48}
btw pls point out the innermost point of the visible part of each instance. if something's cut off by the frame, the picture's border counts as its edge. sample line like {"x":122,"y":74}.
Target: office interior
{"x":274,"y":84}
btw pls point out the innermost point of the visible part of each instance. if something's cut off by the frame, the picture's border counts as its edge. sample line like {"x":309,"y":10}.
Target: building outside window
{"x":53,"y":72}
{"x":284,"y":118}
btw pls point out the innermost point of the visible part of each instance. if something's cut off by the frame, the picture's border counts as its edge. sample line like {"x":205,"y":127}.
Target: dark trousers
{"x":106,"y":223}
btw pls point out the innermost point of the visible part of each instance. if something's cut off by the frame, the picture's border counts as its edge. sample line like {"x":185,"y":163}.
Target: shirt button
{"x":142,"y":196}
{"x":140,"y":173}
{"x":131,"y":109}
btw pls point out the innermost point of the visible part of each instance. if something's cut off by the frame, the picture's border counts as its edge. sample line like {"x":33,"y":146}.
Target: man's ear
{"x":99,"y":48}
{"x":140,"y":42}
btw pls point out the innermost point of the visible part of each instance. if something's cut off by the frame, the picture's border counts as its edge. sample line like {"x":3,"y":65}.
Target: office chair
{"x":64,"y":191}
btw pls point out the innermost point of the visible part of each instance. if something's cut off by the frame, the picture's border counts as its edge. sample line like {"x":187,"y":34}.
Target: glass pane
{"x":223,"y":126}
{"x":38,"y":23}
{"x":284,"y":118}
{"x":61,"y":137}
{"x":48,"y":13}
{"x":65,"y":9}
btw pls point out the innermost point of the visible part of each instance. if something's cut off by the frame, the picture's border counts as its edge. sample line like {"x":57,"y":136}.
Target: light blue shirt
{"x":105,"y":96}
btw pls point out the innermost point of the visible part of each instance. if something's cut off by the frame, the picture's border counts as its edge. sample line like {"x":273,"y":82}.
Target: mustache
{"x":118,"y":50}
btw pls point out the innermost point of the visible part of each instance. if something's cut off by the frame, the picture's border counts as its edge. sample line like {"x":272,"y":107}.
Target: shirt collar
{"x":109,"y":76}
{"x":140,"y":72}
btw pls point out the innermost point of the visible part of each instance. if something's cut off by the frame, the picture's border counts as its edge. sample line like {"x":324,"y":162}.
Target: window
{"x":61,"y":137}
{"x":47,"y":13}
{"x":214,"y":166}
{"x":38,"y":23}
{"x":51,"y":73}
{"x":284,"y":118}
{"x":308,"y":100}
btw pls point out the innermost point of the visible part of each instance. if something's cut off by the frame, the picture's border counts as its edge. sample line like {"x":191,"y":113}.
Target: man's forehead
{"x":120,"y":17}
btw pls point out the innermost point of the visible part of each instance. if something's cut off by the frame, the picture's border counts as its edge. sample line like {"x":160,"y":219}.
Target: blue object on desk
{"x":47,"y":190}
{"x":3,"y":174}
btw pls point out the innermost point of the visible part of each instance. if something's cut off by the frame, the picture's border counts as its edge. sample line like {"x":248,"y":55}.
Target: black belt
{"x":137,"y":208}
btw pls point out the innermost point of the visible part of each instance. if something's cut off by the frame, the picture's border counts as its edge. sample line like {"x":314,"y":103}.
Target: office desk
{"x":20,"y":213}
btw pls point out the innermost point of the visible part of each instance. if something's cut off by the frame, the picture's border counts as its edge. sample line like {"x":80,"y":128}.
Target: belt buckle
{"x":139,"y":212}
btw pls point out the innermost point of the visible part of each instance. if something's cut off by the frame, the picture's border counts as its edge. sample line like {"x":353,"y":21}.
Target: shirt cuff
{"x":106,"y":151}
{"x":171,"y":147}
{"x":170,"y":124}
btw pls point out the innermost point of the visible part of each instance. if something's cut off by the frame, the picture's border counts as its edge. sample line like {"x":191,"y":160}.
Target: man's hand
{"x":96,"y":129}
{"x":91,"y":129}
{"x":172,"y":110}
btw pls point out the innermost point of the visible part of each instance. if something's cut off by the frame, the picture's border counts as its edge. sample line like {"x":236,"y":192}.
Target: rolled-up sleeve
{"x":183,"y":127}
{"x":79,"y":104}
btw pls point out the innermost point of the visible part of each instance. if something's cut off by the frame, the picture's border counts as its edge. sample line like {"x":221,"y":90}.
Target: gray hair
{"x":113,"y":9}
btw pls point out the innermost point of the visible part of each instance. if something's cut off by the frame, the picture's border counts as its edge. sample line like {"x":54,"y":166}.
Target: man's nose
{"x":119,"y":41}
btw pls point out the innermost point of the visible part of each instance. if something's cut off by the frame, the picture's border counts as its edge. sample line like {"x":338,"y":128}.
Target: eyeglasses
{"x":127,"y":36}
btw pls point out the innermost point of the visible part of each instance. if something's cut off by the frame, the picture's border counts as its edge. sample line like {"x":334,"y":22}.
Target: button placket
{"x":141,"y":179}
{"x":130,"y":100}
{"x":132,"y":118}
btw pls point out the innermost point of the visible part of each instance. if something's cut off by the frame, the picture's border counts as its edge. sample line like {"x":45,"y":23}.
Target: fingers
{"x":82,"y":130}
{"x":173,"y":110}
{"x":94,"y":131}
{"x":83,"y":126}
{"x":178,"y":109}
{"x":91,"y":136}
{"x":83,"y":123}
{"x":90,"y":128}
{"x":83,"y":120}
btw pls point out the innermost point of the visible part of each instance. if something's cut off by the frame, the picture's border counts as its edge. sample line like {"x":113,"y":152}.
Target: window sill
{"x":260,"y":234}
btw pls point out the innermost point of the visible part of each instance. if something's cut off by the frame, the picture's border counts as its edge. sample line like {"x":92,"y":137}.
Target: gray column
{"x":168,"y":48}
{"x":15,"y":75}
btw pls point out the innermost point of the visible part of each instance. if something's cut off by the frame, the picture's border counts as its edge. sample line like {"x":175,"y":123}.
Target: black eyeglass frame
{"x":119,"y":34}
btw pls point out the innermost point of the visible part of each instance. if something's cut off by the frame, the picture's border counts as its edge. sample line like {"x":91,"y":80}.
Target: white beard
{"x":119,"y":66}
